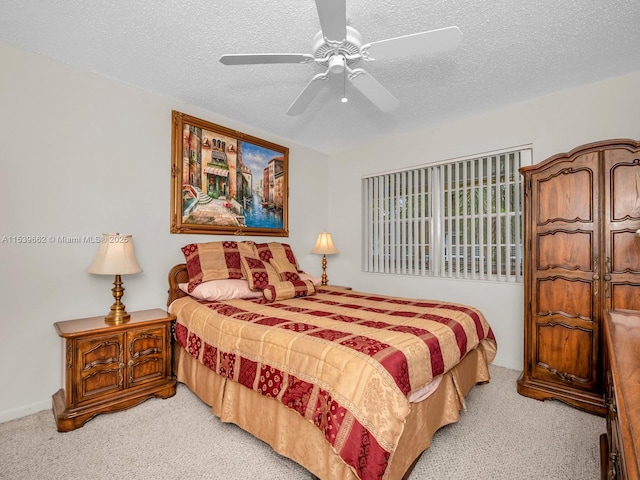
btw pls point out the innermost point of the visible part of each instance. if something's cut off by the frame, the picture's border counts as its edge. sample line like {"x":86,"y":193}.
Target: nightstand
{"x":112,"y":367}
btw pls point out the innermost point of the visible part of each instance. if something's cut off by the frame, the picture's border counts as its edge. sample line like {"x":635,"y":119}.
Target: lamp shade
{"x":324,"y":245}
{"x":115,"y":256}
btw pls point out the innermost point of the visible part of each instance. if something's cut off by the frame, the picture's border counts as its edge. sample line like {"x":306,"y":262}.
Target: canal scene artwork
{"x":226,"y":182}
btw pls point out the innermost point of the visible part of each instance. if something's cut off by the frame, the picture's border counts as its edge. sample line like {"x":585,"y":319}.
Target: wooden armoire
{"x":582,"y":256}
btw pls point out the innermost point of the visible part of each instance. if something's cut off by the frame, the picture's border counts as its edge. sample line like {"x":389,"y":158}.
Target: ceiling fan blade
{"x":432,"y":41}
{"x":259,"y":58}
{"x":373,"y":90}
{"x":333,"y":19}
{"x":307,"y":95}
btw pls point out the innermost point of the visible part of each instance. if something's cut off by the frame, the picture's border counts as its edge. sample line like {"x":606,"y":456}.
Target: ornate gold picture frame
{"x":226,"y":182}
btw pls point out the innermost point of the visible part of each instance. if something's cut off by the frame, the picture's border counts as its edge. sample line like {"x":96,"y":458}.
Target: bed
{"x":350,"y":385}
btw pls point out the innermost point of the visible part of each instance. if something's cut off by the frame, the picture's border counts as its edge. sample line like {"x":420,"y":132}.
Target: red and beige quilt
{"x":345,"y":360}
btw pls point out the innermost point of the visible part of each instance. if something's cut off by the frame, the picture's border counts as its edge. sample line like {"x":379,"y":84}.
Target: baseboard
{"x":19,"y":412}
{"x":500,"y":362}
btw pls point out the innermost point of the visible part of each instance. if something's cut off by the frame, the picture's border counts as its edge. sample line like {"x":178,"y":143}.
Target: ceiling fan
{"x":339,"y":48}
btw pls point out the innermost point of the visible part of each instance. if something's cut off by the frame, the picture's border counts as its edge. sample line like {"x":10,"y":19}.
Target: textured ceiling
{"x":512,"y":50}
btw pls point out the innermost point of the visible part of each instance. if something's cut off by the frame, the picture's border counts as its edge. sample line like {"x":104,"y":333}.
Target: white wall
{"x":552,"y":124}
{"x":81,"y":155}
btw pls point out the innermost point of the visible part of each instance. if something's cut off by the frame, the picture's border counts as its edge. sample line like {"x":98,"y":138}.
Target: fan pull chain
{"x":344,"y":88}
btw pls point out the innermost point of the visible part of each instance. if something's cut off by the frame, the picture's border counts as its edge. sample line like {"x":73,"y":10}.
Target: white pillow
{"x":306,"y":276}
{"x":225,"y":289}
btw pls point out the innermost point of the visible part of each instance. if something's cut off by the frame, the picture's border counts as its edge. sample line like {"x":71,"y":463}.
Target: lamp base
{"x":118,"y":314}
{"x":325,"y":279}
{"x":117,"y":317}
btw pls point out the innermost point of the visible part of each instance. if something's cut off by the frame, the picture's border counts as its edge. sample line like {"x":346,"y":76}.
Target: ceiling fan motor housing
{"x":326,"y":49}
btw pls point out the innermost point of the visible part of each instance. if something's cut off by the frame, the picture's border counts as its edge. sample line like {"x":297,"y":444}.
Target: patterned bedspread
{"x":347,"y":361}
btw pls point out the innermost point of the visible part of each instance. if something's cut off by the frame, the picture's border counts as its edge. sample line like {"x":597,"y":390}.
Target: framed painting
{"x":226,"y":182}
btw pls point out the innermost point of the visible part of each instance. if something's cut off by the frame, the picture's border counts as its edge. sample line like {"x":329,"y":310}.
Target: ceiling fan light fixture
{"x":336,"y":64}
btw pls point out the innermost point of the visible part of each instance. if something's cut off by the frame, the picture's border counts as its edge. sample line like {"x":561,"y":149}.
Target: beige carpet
{"x":501,"y":435}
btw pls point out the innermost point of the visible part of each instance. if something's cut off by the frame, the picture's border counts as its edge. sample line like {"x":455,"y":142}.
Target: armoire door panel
{"x":554,"y":340}
{"x":625,"y":252}
{"x":569,"y":298}
{"x":565,"y":196}
{"x":568,"y":249}
{"x":625,"y":296}
{"x":625,"y":178}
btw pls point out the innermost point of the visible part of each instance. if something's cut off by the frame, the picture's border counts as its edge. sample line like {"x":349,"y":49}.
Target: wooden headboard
{"x":177,"y":274}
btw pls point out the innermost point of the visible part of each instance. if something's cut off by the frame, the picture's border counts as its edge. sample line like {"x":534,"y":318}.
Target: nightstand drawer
{"x":99,"y":367}
{"x":145,"y":358}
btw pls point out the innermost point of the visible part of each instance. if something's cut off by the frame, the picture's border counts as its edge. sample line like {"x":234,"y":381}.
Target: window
{"x":456,"y":219}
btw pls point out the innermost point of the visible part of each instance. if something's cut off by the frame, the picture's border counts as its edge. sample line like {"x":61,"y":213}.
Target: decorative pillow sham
{"x":259,"y":274}
{"x":281,"y":252}
{"x":307,"y":276}
{"x":286,"y":290}
{"x":215,"y":260}
{"x":226,"y":289}
{"x":287,"y":271}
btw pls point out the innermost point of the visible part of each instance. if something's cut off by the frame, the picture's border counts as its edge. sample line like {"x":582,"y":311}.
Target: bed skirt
{"x":282,"y":427}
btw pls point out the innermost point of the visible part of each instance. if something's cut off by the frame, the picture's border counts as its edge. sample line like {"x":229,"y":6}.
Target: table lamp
{"x":115,"y":257}
{"x":324,"y":246}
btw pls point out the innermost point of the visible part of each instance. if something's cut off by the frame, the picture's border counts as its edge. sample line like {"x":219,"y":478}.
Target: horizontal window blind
{"x":458,"y":219}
